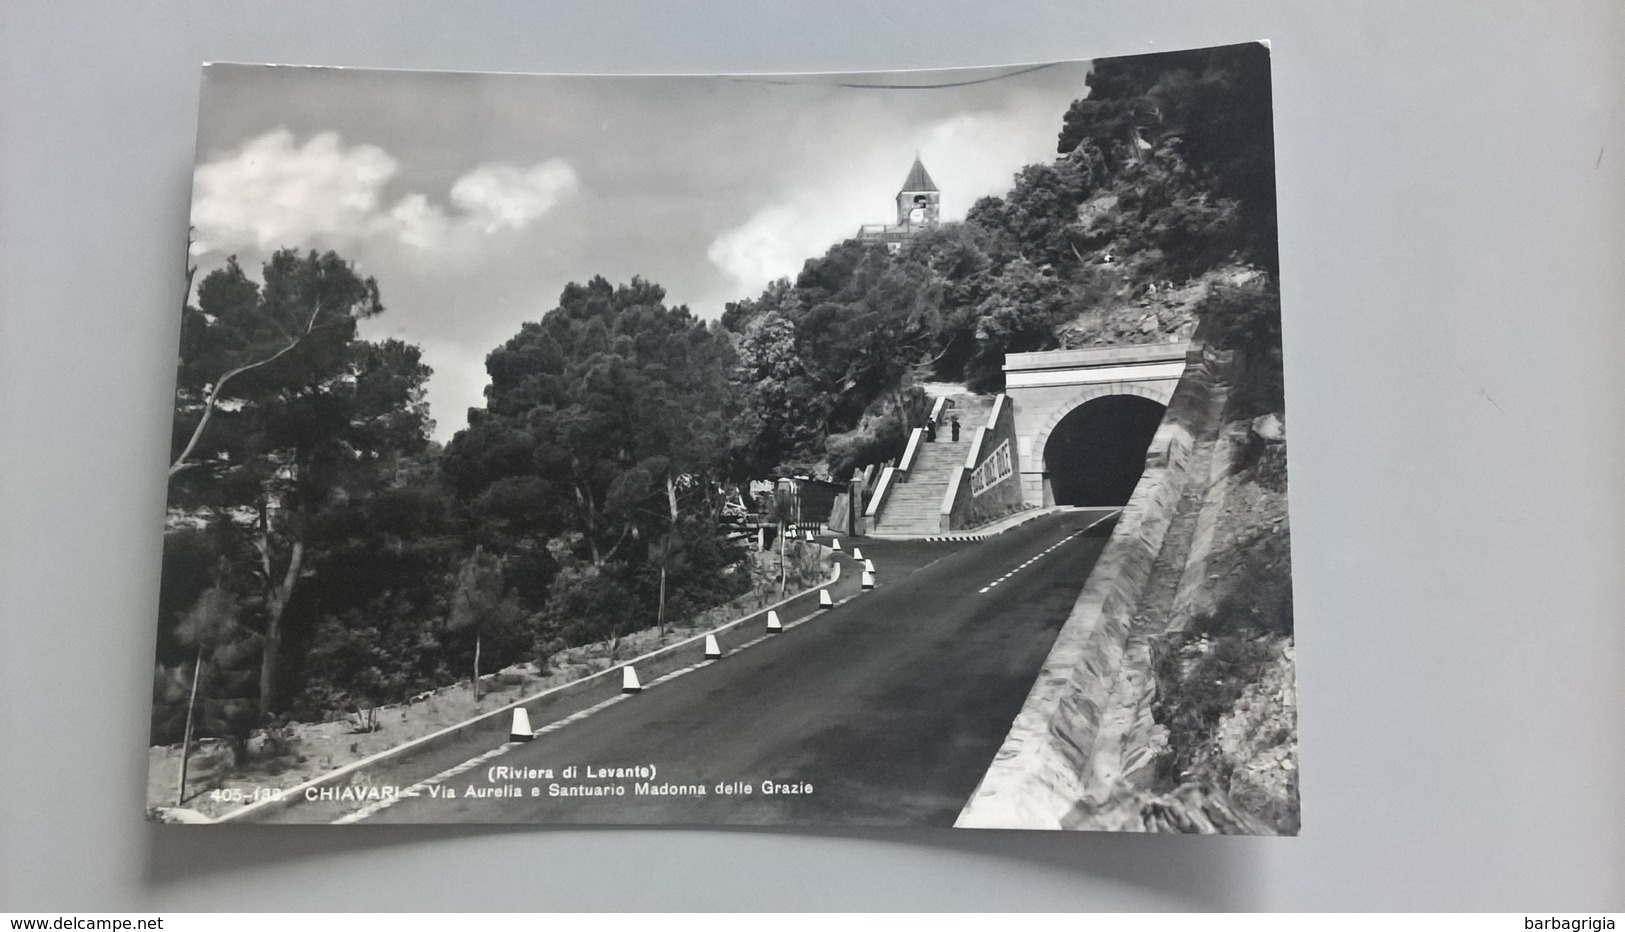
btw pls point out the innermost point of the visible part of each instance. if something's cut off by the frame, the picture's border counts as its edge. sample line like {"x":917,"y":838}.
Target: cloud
{"x":274,"y":192}
{"x":498,"y":196}
{"x":973,"y":155}
{"x":417,"y":223}
{"x":777,"y":239}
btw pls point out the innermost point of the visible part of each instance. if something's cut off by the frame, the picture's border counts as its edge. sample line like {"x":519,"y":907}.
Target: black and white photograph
{"x":891,"y":449}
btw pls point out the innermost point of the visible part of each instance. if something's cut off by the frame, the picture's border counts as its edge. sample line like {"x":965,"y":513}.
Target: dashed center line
{"x":1031,"y":560}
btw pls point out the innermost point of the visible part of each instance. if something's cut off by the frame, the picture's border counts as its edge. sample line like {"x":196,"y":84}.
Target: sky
{"x":474,"y":198}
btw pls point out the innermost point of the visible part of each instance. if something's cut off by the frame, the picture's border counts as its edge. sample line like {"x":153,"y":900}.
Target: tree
{"x":481,"y":604}
{"x":206,"y":626}
{"x":1019,"y":314}
{"x":608,"y":423}
{"x":318,"y":422}
{"x":782,"y":511}
{"x":781,"y":409}
{"x":688,"y":423}
{"x":368,"y":626}
{"x":232,"y":344}
{"x":1211,"y":106}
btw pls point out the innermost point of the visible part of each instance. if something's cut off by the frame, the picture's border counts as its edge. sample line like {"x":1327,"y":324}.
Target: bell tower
{"x":918,"y":201}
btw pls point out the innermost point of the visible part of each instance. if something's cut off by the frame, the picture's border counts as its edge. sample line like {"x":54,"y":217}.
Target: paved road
{"x":889,"y":707}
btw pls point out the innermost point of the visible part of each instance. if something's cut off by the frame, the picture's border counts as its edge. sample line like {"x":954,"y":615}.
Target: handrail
{"x":881,"y":488}
{"x":975,"y":447}
{"x":999,"y":401}
{"x":951,"y":495}
{"x":914,"y":438}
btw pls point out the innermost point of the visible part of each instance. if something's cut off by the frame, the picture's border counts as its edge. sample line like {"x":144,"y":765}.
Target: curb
{"x":984,"y":535}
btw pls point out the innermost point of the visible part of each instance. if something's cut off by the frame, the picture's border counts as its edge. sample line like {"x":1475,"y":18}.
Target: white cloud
{"x":498,"y":196}
{"x":974,"y":155}
{"x":417,"y":223}
{"x":778,"y":238}
{"x":273,"y":193}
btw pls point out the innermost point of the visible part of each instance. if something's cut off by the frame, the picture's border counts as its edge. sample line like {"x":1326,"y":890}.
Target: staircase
{"x":913,"y":506}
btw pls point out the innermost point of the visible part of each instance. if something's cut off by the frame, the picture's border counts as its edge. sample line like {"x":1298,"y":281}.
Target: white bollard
{"x":810,"y":538}
{"x":629,"y":681}
{"x":824,"y":601}
{"x":521,"y":726}
{"x":835,"y":544}
{"x":868,"y":566}
{"x":857,"y":553}
{"x":868,"y":580}
{"x":773,"y":625}
{"x":713,"y":650}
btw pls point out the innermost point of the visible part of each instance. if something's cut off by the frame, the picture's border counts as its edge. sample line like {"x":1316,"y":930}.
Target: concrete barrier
{"x":1040,"y":771}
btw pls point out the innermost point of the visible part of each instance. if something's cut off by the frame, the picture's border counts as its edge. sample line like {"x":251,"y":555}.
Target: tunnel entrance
{"x":1096,"y":454}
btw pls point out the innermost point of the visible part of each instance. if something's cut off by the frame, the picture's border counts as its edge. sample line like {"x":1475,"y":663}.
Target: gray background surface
{"x":1453,"y":225}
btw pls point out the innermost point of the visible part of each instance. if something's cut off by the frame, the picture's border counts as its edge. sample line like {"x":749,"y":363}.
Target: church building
{"x":918,"y":204}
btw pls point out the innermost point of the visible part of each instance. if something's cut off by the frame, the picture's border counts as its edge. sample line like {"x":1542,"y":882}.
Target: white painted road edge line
{"x":422,"y":786}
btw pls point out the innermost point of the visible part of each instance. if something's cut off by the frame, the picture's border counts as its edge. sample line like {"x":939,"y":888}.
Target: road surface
{"x":886,"y":709}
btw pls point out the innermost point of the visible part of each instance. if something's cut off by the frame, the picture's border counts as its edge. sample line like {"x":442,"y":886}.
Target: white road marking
{"x":1033,"y":559}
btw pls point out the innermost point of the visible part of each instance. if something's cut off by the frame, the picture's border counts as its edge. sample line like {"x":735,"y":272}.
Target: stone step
{"x":914,"y":504}
{"x":903,"y":493}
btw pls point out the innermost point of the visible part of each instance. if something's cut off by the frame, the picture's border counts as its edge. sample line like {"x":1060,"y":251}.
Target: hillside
{"x":1162,"y":191}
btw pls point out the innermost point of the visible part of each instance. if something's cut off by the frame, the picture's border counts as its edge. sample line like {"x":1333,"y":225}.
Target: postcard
{"x":899,"y":449}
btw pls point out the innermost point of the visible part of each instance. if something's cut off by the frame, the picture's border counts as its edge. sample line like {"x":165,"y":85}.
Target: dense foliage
{"x":295,"y":446}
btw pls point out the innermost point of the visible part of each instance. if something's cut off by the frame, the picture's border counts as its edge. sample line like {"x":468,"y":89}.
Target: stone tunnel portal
{"x":1096,"y":454}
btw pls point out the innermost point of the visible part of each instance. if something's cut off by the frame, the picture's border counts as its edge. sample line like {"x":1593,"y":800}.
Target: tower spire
{"x":917,"y":202}
{"x":919,"y":180}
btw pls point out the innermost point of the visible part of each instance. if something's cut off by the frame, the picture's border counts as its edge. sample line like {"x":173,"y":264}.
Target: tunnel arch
{"x":1093,"y":447}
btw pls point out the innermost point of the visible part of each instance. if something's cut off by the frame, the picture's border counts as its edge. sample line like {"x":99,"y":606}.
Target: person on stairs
{"x":954,"y":424}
